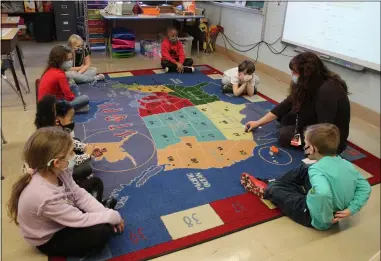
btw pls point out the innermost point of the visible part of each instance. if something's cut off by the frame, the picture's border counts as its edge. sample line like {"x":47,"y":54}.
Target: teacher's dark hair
{"x":312,"y":74}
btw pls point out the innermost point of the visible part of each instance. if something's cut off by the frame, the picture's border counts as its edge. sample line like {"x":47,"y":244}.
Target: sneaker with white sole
{"x":99,"y":77}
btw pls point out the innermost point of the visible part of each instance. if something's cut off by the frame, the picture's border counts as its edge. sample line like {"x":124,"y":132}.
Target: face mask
{"x":70,"y":126}
{"x":295,"y":78}
{"x":71,"y":164}
{"x":67,"y":65}
{"x":79,"y":49}
{"x":307,"y":154}
{"x":247,"y":78}
{"x":173,"y":39}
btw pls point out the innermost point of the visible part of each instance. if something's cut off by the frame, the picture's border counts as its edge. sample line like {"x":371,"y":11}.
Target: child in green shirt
{"x":320,"y":194}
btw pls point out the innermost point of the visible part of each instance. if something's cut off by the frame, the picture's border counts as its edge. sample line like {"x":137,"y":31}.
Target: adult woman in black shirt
{"x":317,"y":95}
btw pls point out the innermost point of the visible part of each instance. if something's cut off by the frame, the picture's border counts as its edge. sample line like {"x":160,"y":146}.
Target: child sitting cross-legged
{"x":241,"y":80}
{"x":173,"y":57}
{"x":320,"y":194}
{"x":81,"y":72}
{"x":52,"y":112}
{"x":53,"y":212}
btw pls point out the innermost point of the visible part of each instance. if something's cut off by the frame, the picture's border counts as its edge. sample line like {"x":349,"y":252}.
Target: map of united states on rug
{"x":176,"y":147}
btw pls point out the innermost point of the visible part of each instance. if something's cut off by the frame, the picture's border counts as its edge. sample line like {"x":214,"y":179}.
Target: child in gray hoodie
{"x":53,"y":212}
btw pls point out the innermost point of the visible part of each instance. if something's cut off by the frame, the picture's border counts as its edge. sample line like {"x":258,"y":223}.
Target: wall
{"x":245,"y":28}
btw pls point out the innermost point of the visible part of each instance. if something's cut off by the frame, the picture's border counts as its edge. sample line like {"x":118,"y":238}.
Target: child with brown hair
{"x":53,"y":212}
{"x":317,"y":195}
{"x":241,"y":80}
{"x":81,"y":72}
{"x":54,"y":82}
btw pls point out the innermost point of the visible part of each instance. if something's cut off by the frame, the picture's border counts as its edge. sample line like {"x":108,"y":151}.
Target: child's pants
{"x":80,"y":102}
{"x":289,"y":193}
{"x":226,"y":80}
{"x":88,"y":76}
{"x":173,"y":67}
{"x":78,"y":242}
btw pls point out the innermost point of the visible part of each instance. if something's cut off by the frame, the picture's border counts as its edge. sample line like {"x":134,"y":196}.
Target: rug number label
{"x":188,"y":220}
{"x":237,"y":206}
{"x":136,"y":237}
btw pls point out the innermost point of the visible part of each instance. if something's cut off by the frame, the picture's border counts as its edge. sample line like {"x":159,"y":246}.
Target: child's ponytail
{"x":44,"y":145}
{"x":17,"y":188}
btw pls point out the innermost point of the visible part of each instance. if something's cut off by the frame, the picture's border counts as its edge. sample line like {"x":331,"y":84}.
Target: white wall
{"x":245,"y":28}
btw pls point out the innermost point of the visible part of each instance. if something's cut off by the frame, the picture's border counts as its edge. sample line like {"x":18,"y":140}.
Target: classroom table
{"x":111,"y":21}
{"x":10,"y":21}
{"x":9,"y":42}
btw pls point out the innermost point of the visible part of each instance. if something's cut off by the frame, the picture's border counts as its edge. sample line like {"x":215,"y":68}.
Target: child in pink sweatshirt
{"x":53,"y":212}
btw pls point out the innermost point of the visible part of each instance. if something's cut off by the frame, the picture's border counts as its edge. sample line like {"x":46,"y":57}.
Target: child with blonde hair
{"x":81,"y":72}
{"x":53,"y":212}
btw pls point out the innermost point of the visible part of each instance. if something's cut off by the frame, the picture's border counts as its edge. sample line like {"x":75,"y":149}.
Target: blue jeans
{"x":75,"y":89}
{"x":289,"y":193}
{"x":80,"y":101}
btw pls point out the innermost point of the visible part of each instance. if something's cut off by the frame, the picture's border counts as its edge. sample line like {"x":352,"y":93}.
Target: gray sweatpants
{"x":85,"y":77}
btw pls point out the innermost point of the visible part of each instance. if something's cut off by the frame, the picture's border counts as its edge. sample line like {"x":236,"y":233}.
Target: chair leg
{"x":23,"y":86}
{"x":11,"y":84}
{"x":3,"y":138}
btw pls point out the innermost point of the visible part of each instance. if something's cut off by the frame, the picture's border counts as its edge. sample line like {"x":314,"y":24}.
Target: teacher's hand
{"x":252,"y":125}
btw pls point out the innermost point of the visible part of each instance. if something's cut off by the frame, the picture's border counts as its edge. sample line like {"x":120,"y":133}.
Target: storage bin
{"x":92,"y":36}
{"x":96,"y":30}
{"x":98,"y":23}
{"x":186,"y":40}
{"x":93,"y":12}
{"x":150,"y":48}
{"x":150,"y":10}
{"x":97,"y":40}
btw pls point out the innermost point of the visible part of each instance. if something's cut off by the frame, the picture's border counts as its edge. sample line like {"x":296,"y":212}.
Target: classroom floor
{"x":357,"y":238}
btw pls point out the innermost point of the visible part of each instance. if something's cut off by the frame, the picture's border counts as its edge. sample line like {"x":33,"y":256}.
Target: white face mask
{"x":295,"y":78}
{"x":71,"y":164}
{"x":67,"y":65}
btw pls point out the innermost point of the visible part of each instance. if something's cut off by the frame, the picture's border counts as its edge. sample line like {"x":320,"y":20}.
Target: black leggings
{"x":78,"y":242}
{"x":289,"y":193}
{"x":173,"y":67}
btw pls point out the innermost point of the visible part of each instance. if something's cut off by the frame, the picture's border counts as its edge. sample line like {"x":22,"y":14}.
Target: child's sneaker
{"x":188,"y":69}
{"x":83,"y":109}
{"x":227,"y":89}
{"x":253,"y":185}
{"x":99,"y":77}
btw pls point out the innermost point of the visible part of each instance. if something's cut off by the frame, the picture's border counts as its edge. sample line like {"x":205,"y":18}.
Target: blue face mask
{"x":295,"y":78}
{"x":67,"y":65}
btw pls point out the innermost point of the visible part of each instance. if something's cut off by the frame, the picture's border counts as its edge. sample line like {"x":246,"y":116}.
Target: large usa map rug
{"x":176,"y":148}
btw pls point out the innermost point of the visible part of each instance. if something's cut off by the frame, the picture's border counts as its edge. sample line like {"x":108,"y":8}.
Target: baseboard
{"x":357,"y":110}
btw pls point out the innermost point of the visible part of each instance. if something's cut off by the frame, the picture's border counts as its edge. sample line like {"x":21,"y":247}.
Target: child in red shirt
{"x":54,"y":81}
{"x":172,"y":51}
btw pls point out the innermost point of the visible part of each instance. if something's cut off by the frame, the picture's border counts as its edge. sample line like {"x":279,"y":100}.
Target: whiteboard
{"x":346,"y":30}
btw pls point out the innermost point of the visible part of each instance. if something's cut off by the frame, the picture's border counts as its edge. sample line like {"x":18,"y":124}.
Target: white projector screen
{"x":346,"y":30}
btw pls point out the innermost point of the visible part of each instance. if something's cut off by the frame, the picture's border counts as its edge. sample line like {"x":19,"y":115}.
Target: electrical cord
{"x":253,"y":46}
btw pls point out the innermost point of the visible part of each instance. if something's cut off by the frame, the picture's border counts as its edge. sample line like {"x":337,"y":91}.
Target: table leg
{"x":16,"y":81}
{"x":19,"y":55}
{"x":3,"y":138}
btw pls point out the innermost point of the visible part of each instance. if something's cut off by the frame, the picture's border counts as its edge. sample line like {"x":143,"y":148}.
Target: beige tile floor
{"x":357,"y":238}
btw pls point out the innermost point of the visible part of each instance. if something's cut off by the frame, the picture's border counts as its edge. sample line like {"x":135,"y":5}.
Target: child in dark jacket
{"x":173,"y":57}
